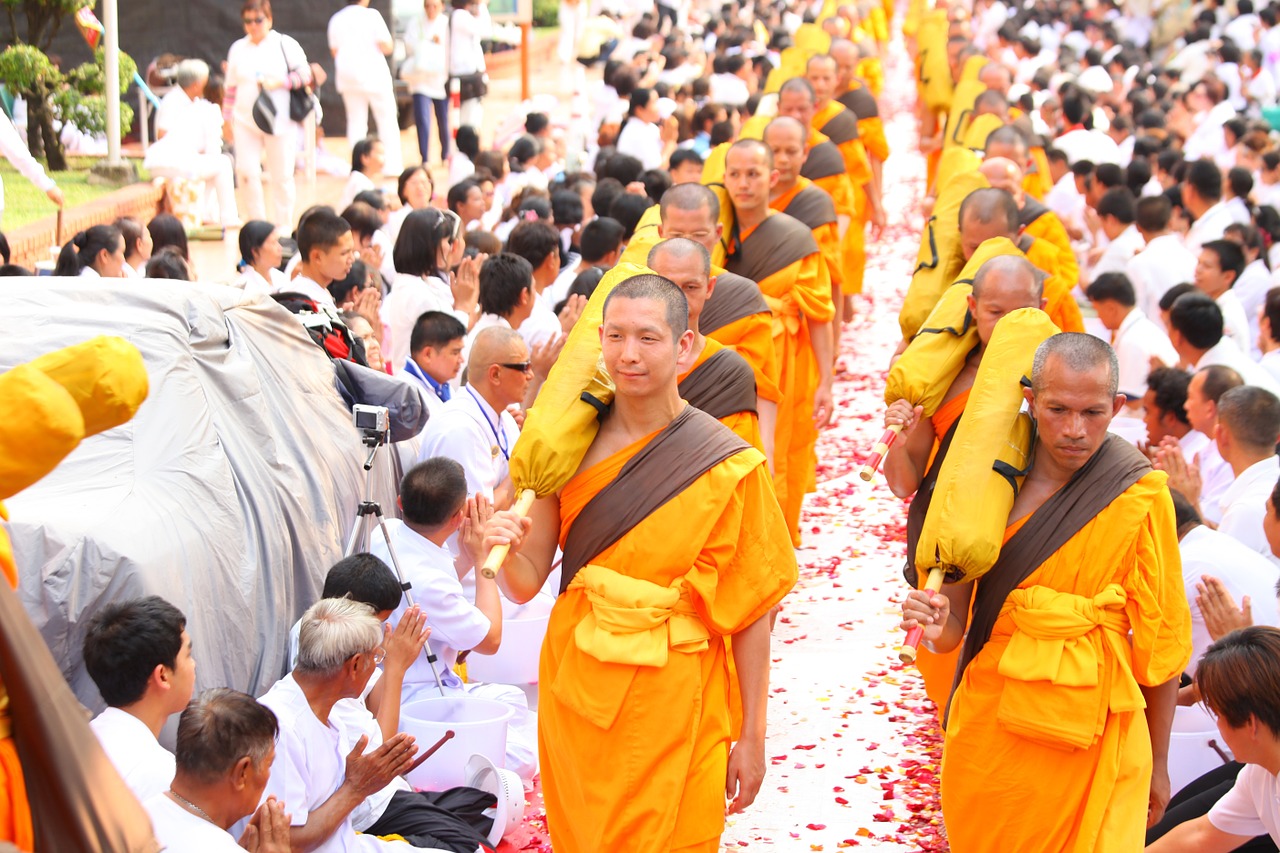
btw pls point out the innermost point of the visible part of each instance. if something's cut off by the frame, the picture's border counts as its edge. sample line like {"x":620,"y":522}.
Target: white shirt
{"x":468,"y":431}
{"x":642,"y":140}
{"x":1065,"y":200}
{"x":253,"y":282}
{"x":1115,"y":258}
{"x":1162,"y":264}
{"x":411,"y":297}
{"x":312,"y":290}
{"x":1251,"y":807}
{"x":1211,"y":226}
{"x":456,"y":623}
{"x":1245,"y":504}
{"x":542,"y":324}
{"x":1239,"y":211}
{"x":728,"y":89}
{"x":1235,"y":322}
{"x":357,"y":182}
{"x":1241,"y":570}
{"x":1251,"y":289}
{"x":179,"y":830}
{"x":427,"y":45}
{"x":15,"y":151}
{"x":466,"y":54}
{"x":1226,"y":352}
{"x":1271,"y":363}
{"x":247,"y":62}
{"x":190,"y":127}
{"x":1136,"y":341}
{"x":1092,"y":145}
{"x":355,"y":33}
{"x":1216,"y":477}
{"x":310,"y":765}
{"x":429,"y":395}
{"x":144,"y":765}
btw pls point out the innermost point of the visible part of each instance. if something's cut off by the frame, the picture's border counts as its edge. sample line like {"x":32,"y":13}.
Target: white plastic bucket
{"x":523,"y":628}
{"x":479,"y":727}
{"x":1190,"y":755}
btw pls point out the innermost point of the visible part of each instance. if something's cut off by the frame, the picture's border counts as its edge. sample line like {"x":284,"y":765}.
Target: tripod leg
{"x":357,"y":536}
{"x":408,"y":595}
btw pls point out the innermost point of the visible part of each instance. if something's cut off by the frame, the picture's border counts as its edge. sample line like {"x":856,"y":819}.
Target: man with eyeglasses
{"x":318,"y":779}
{"x":474,"y":428}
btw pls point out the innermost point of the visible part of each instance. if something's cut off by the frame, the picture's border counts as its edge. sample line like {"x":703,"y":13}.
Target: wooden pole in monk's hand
{"x":499,"y":553}
{"x":907,"y":651}
{"x":868,"y":470}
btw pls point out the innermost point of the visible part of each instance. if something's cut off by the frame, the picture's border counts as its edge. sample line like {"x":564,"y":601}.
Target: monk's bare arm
{"x":767,"y":413}
{"x":1162,"y":700}
{"x":746,"y":761}
{"x":1196,"y":836}
{"x":533,"y":547}
{"x":822,"y":340}
{"x":943,"y":614}
{"x":905,"y":463}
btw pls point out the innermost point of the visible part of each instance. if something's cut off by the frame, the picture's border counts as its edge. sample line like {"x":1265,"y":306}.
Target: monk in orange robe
{"x":800,"y":198}
{"x":1058,"y":731}
{"x":717,"y":380}
{"x":672,"y":546}
{"x":781,"y":255}
{"x":996,"y":292}
{"x":735,"y":314}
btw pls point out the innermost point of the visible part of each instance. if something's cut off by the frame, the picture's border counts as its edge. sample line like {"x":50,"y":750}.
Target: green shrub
{"x":546,"y":13}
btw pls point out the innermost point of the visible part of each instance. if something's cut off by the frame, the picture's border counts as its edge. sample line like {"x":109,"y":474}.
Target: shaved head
{"x":1009,"y":272}
{"x":821,"y":59}
{"x":842,"y":49}
{"x":990,"y":204}
{"x":691,"y":198}
{"x":495,"y":345}
{"x":996,"y":77}
{"x":658,"y":289}
{"x":1079,"y":353}
{"x":1007,"y":142}
{"x":752,"y":147}
{"x":683,"y":251}
{"x":798,"y":86}
{"x":1002,"y":173}
{"x":782,"y":125}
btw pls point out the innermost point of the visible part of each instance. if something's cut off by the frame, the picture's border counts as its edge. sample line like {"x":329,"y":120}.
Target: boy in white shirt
{"x":327,"y":250}
{"x":138,"y":653}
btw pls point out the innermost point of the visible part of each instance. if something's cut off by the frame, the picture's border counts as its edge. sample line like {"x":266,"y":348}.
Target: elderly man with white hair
{"x":189,"y":140}
{"x":318,"y":780}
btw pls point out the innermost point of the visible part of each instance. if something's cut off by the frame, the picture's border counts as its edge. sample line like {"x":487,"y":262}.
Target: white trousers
{"x":383,"y":105}
{"x":281,"y":152}
{"x":215,"y":171}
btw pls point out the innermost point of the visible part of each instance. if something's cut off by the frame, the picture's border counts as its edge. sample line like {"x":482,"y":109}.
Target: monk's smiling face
{"x":640,"y":348}
{"x":1073,"y":409}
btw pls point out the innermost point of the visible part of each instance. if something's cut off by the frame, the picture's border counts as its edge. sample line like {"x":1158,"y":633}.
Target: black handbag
{"x":472,"y":86}
{"x":301,"y":100}
{"x":264,"y":111}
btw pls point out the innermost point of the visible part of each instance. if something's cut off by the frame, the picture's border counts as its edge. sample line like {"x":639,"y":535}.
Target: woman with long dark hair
{"x":427,"y":249}
{"x":96,"y":252}
{"x":137,"y":245}
{"x":260,"y":257}
{"x":368,"y":158}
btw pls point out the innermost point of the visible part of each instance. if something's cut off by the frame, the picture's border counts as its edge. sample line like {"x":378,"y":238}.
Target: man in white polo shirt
{"x":1248,"y":428}
{"x":138,"y":653}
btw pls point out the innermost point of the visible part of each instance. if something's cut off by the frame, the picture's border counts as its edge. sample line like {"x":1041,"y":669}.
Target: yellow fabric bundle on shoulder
{"x":935,"y":357}
{"x":941,"y":258}
{"x":975,"y":136}
{"x":934,"y":74}
{"x":989,"y":455}
{"x":645,"y":237}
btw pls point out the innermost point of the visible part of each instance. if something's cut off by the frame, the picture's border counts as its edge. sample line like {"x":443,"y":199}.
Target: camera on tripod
{"x":373,"y":423}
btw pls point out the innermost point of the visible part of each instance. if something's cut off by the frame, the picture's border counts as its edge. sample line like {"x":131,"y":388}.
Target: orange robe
{"x":752,"y":338}
{"x":1009,"y":779}
{"x":634,"y":756}
{"x":1060,"y":304}
{"x":939,"y":669}
{"x":1049,"y":227}
{"x":853,"y":249}
{"x":745,"y":424}
{"x":797,"y":293}
{"x":827,"y":234}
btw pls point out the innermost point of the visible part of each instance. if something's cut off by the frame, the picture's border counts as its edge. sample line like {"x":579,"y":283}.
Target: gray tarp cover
{"x":229,"y":494}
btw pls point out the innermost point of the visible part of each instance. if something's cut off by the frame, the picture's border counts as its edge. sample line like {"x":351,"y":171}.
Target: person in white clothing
{"x":264,"y":61}
{"x":138,"y":245}
{"x":646,"y":133}
{"x":1164,"y":261}
{"x":476,"y":429}
{"x":1164,"y":412}
{"x":1236,"y":682}
{"x":416,"y":191}
{"x":360,"y":43}
{"x":226,"y":745}
{"x":368,"y":160}
{"x":506,"y":296}
{"x":1217,"y":270}
{"x":1116,"y":213}
{"x":426,"y":73}
{"x":469,"y":26}
{"x":1246,"y":575}
{"x":1207,"y":468}
{"x":95,"y":252}
{"x":1254,"y":280}
{"x":435,"y":357}
{"x":340,"y":644}
{"x":260,"y":257}
{"x":538,"y":243}
{"x":1248,"y":429}
{"x":1137,"y":340}
{"x":327,"y":251}
{"x":1269,"y":333}
{"x":138,"y":653}
{"x":1202,"y":197}
{"x":428,"y":246}
{"x":15,"y":151}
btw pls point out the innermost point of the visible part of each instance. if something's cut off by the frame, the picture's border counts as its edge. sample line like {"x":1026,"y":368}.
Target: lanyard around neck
{"x":499,"y":435}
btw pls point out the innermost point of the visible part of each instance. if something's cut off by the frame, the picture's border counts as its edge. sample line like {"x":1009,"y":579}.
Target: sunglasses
{"x":257,"y":20}
{"x":523,"y":367}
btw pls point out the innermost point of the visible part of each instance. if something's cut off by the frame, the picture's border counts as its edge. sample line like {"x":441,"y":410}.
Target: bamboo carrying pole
{"x":499,"y":554}
{"x":907,"y":651}
{"x":878,"y":452}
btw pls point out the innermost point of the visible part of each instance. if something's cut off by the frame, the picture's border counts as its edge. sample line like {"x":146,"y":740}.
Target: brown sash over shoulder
{"x":1031,"y":211}
{"x":823,"y":161}
{"x":1114,"y":468}
{"x":842,"y":128}
{"x":722,"y":385}
{"x":860,"y":102}
{"x":813,"y":207}
{"x":774,"y":245}
{"x":734,"y":297}
{"x":690,"y":446}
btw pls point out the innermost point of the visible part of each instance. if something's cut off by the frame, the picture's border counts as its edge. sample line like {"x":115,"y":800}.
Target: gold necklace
{"x":183,"y":801}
